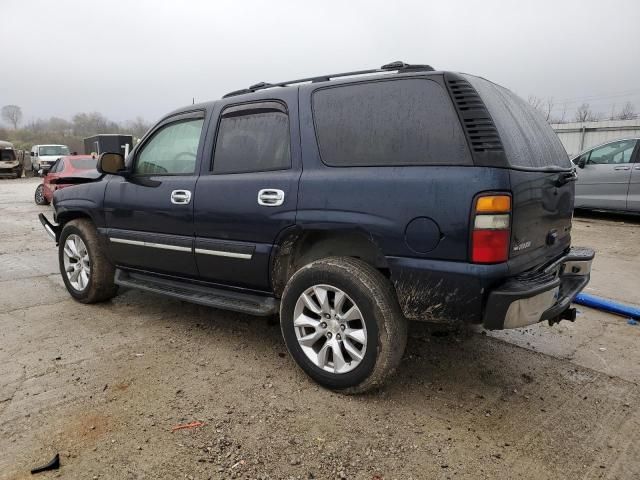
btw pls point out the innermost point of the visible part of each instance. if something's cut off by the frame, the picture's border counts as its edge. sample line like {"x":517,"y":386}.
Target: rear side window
{"x":252,"y":141}
{"x":386,"y":123}
{"x":527,"y":138}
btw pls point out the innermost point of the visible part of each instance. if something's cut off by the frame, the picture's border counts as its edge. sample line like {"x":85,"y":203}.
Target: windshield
{"x":84,"y":163}
{"x":53,"y":150}
{"x":7,"y":155}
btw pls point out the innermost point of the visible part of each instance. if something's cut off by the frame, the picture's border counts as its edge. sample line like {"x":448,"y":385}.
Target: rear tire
{"x":341,"y":350}
{"x":86,"y":271}
{"x":39,"y":196}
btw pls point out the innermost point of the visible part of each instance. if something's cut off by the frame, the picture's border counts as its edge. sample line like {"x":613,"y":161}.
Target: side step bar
{"x":202,"y":295}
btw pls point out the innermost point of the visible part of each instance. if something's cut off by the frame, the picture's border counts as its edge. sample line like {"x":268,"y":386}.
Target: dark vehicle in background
{"x":73,"y":166}
{"x":609,"y":176}
{"x":10,"y":165}
{"x":346,"y":203}
{"x":108,"y":143}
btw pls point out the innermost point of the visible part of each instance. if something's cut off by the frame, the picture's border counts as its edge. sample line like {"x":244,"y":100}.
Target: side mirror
{"x":112,"y":163}
{"x":581,"y":163}
{"x":31,"y":154}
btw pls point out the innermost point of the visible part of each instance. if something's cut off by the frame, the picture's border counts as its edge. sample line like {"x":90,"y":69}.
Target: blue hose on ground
{"x":608,"y":305}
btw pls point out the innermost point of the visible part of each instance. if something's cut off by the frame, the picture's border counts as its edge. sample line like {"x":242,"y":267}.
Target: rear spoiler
{"x":78,"y":179}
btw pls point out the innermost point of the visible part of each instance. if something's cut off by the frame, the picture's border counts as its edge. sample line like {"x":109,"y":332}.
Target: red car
{"x":70,"y":166}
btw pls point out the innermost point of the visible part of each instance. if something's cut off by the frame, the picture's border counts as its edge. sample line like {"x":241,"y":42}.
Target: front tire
{"x":342,"y":324}
{"x":86,"y":271}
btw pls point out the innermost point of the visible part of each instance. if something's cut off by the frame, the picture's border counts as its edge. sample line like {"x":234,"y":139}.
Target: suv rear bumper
{"x":444,"y":291}
{"x":544,"y":294}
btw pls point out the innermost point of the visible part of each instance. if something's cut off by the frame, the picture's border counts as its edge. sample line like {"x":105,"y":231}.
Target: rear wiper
{"x":565,"y":178}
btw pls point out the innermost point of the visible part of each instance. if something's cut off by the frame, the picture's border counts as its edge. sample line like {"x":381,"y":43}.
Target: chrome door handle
{"x":180,"y":197}
{"x":270,"y":197}
{"x":637,"y":167}
{"x":621,"y":168}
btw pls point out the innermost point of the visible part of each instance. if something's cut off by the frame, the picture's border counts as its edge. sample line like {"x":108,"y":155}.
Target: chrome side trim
{"x":219,"y":253}
{"x":139,"y":243}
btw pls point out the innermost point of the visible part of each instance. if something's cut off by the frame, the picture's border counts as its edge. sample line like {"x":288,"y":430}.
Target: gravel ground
{"x":104,"y":385}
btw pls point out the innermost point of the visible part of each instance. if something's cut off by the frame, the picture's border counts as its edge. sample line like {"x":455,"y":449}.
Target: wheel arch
{"x":297,"y":247}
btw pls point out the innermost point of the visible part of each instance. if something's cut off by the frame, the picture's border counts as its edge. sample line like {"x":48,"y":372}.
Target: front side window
{"x":172,"y":150}
{"x":613,"y":153}
{"x":252,"y":141}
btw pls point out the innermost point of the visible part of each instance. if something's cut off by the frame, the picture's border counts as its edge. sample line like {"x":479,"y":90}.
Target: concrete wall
{"x":577,"y":137}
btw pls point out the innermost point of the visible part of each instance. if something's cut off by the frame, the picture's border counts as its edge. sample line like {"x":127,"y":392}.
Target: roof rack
{"x":398,"y":66}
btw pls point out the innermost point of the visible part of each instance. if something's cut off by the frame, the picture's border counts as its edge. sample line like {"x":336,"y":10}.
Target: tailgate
{"x":542,"y":212}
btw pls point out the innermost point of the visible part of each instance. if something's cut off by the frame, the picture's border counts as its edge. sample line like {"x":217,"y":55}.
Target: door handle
{"x":637,"y":167}
{"x":621,"y":168}
{"x":180,"y":197}
{"x":270,"y":197}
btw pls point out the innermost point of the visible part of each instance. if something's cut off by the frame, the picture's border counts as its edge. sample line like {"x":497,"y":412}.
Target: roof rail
{"x":398,"y":66}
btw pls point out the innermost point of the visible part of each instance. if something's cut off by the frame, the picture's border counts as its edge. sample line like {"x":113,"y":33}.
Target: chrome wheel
{"x":77,"y":264}
{"x":330,"y":329}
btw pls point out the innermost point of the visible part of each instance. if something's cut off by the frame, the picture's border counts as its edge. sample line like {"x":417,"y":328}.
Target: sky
{"x":147,"y":57}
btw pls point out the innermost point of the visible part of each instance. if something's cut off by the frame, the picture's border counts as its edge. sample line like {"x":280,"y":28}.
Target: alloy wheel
{"x":77,"y":264}
{"x":330,"y":329}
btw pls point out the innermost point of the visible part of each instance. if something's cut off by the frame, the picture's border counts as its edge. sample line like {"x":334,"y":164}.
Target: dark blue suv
{"x":346,"y":203}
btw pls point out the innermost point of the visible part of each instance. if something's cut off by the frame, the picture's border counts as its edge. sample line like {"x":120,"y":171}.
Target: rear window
{"x":84,"y":163}
{"x":527,"y":138}
{"x":386,"y":123}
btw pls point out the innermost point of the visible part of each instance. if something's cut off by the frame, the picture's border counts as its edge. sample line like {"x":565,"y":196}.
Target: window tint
{"x":171,"y":150}
{"x":398,"y":122}
{"x":613,"y":153}
{"x":252,"y":142}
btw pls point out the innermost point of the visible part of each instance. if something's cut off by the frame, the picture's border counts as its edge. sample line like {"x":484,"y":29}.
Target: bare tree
{"x":543,"y":106}
{"x":137,"y":127}
{"x":12,"y":114}
{"x":628,"y":112}
{"x":585,"y":114}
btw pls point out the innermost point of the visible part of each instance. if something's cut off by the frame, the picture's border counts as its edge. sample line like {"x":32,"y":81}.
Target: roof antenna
{"x":193,"y":100}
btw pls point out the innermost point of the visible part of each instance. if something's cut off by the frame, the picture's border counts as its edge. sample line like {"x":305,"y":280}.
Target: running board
{"x":202,"y":295}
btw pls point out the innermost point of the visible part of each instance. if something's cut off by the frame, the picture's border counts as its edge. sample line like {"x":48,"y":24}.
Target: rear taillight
{"x":491,"y":232}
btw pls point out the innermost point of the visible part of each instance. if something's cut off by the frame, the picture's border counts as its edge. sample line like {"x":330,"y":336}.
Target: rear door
{"x":248,"y":189}
{"x":149,"y":214}
{"x":604,"y":180}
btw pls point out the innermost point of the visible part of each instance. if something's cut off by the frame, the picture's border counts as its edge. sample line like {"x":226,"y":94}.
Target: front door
{"x":149,"y":214}
{"x":247,"y":193}
{"x":604,"y":180}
